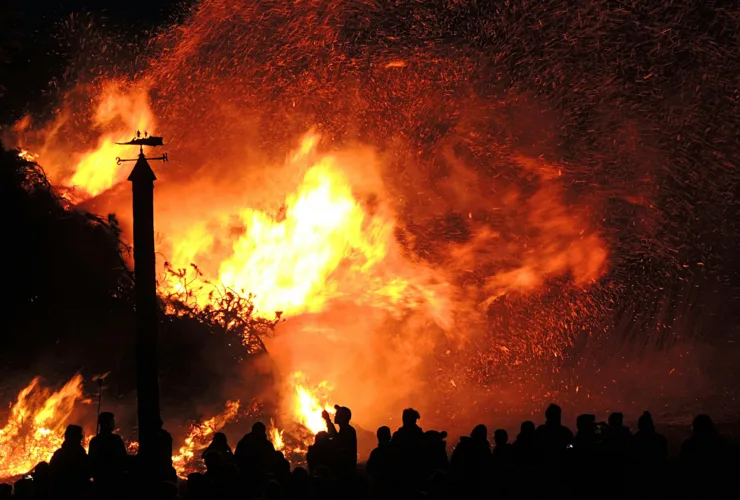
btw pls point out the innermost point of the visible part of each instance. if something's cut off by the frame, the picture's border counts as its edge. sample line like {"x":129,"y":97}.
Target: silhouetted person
{"x":648,"y":447}
{"x":434,"y":452}
{"x":705,"y":442}
{"x":470,"y":460}
{"x":320,"y":453}
{"x":524,"y":447}
{"x":553,"y":440}
{"x":280,"y":468}
{"x":6,"y":491}
{"x":220,"y":444}
{"x":705,"y":463}
{"x":502,"y":461}
{"x":407,"y":443}
{"x":70,"y":467}
{"x":586,"y":462}
{"x":648,"y":452}
{"x":380,"y":464}
{"x":409,"y":434}
{"x":344,"y":440}
{"x":165,"y":471}
{"x":553,"y":436}
{"x":23,"y":489}
{"x":108,"y":457}
{"x":585,"y":439}
{"x":502,"y":451}
{"x":300,"y":484}
{"x":617,"y":436}
{"x":42,"y":481}
{"x":221,"y":476}
{"x":254,"y":455}
{"x":196,"y":487}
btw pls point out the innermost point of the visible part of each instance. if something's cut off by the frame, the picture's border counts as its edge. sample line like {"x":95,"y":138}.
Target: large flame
{"x":286,"y":259}
{"x":36,"y":425}
{"x":326,"y":233}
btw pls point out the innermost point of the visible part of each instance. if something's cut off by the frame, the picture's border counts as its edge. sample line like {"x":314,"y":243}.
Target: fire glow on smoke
{"x":326,"y":229}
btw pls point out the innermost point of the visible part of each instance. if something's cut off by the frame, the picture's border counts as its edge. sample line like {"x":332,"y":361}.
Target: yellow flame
{"x":308,"y":405}
{"x":276,"y":437}
{"x":36,"y":424}
{"x":287,"y":262}
{"x":125,"y":112}
{"x":27,"y":155}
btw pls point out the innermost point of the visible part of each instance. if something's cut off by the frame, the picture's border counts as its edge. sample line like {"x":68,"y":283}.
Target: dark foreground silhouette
{"x":599,"y":460}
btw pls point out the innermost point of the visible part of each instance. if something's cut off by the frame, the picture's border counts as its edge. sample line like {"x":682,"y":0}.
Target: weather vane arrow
{"x":141,"y":141}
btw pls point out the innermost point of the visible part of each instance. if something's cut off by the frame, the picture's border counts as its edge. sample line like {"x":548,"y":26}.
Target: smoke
{"x":539,"y":182}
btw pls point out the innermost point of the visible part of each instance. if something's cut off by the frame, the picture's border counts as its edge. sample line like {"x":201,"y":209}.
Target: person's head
{"x":300,"y":474}
{"x":259,"y":429}
{"x":321,"y":437}
{"x":73,"y":434}
{"x":343,"y":415}
{"x":219,"y":439}
{"x":436,"y":437}
{"x":616,"y":420}
{"x":702,"y":424}
{"x":410,"y":416}
{"x":480,"y":432}
{"x":645,"y":422}
{"x":41,"y":471}
{"x":527,"y":428}
{"x":384,"y":435}
{"x":107,"y":422}
{"x":500,"y":437}
{"x":553,"y":414}
{"x":586,"y":423}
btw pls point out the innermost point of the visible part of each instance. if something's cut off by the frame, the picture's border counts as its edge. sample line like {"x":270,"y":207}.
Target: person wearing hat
{"x":344,"y":440}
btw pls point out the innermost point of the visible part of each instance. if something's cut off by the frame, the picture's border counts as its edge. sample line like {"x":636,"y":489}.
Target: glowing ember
{"x":36,"y":425}
{"x":187,"y":460}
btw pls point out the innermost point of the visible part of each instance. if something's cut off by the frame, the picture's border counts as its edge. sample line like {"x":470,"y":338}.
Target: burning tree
{"x":226,"y":311}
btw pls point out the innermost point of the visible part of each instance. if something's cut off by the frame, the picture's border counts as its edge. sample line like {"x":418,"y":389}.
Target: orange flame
{"x":36,"y":425}
{"x":199,"y":438}
{"x":308,"y":405}
{"x":276,"y":437}
{"x":287,"y":261}
{"x":95,"y":171}
{"x":329,"y":239}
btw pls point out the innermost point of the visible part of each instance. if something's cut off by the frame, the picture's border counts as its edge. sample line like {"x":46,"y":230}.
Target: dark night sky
{"x":30,"y":53}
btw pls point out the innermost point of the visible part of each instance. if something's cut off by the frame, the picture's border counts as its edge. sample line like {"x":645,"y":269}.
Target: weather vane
{"x":141,"y":141}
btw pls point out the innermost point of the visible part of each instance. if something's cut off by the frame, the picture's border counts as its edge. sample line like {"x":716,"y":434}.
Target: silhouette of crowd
{"x":602,"y":459}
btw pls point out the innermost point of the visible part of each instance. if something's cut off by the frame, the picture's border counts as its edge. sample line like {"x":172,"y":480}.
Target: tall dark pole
{"x":147,"y":377}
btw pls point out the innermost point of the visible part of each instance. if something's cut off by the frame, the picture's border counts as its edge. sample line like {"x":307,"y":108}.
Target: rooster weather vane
{"x":141,"y":141}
